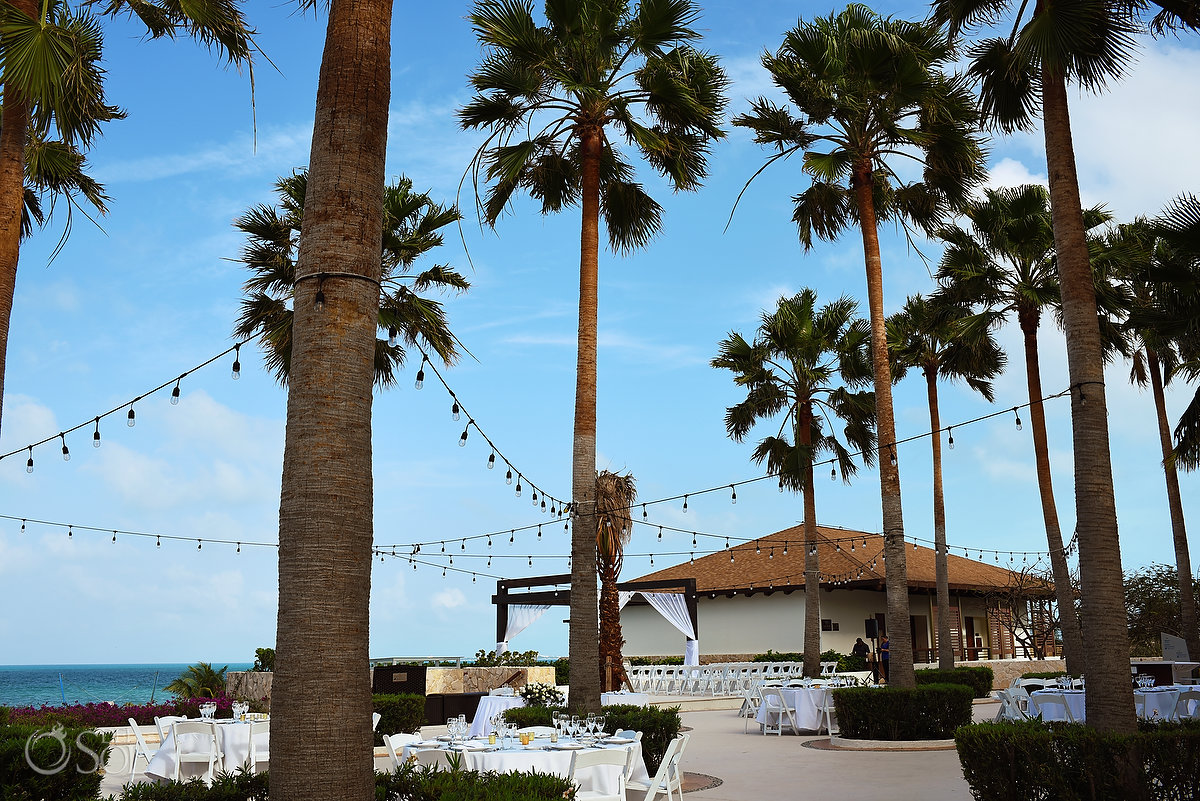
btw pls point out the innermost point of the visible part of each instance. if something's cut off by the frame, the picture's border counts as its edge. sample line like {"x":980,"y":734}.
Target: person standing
{"x":860,"y":648}
{"x":884,"y":654}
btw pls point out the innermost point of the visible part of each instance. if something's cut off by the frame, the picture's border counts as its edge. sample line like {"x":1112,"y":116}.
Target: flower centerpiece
{"x":539,"y":694}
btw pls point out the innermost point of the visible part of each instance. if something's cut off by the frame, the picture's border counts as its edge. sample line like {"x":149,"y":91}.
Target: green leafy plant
{"x":264,"y":660}
{"x":1031,"y":762}
{"x":562,"y":671}
{"x":538,"y":694}
{"x":78,"y":780}
{"x":399,"y":713}
{"x":199,"y":681}
{"x":979,"y":679}
{"x":638,"y":661}
{"x":928,"y":712}
{"x":507,"y":659}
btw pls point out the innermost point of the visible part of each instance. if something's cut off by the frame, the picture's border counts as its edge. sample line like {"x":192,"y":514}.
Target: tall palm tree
{"x":321,"y":744}
{"x":412,"y":225}
{"x":805,"y":363}
{"x":936,"y":338}
{"x":615,"y":495}
{"x":1179,"y":313}
{"x":1005,"y":263}
{"x":1139,"y":257}
{"x":550,"y":96}
{"x":1088,"y":42}
{"x":54,"y":103}
{"x":871,"y":91}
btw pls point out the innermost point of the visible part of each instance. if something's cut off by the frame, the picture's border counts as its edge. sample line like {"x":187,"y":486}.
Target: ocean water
{"x":22,"y":685}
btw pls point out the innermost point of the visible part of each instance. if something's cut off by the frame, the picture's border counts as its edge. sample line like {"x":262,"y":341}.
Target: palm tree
{"x":591,"y":70}
{"x":412,"y":227}
{"x":871,"y":91}
{"x":321,"y":743}
{"x":615,"y":494}
{"x":1179,"y":313}
{"x":805,"y":362}
{"x":1139,"y":258}
{"x":935,"y":338}
{"x":1088,"y":42}
{"x":1005,"y":263}
{"x":199,"y":681}
{"x":54,"y":104}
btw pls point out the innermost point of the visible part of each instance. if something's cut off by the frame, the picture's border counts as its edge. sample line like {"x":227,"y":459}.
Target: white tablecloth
{"x":809,"y":703}
{"x":1052,"y":710}
{"x":599,"y":779}
{"x":621,"y":697}
{"x":233,"y":740}
{"x":489,"y":706}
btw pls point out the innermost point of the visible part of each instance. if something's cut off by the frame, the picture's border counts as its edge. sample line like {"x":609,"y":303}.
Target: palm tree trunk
{"x":812,"y":564}
{"x":611,"y":638}
{"x":1183,"y":559}
{"x":945,"y":646}
{"x":13,"y":135}
{"x":321,"y":741}
{"x":1028,"y":319}
{"x":583,"y":641}
{"x":896,"y":579}
{"x":1106,"y":638}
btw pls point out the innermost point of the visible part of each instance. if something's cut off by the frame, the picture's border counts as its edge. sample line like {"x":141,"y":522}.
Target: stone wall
{"x":452,"y":681}
{"x":249,"y":685}
{"x":1005,"y":670}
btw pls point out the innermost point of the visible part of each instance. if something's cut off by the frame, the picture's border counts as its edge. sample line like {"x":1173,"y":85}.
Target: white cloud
{"x":276,"y":149}
{"x":452,"y":598}
{"x":1009,"y":172}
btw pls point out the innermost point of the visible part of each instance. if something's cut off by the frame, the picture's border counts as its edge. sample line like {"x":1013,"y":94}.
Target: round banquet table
{"x":544,"y":758}
{"x":1052,"y":710}
{"x":1160,"y":701}
{"x":489,"y":706}
{"x":622,"y":697}
{"x":809,"y":703}
{"x":233,"y":740}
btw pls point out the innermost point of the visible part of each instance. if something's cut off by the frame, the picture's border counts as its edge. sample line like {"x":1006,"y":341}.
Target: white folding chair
{"x":537,"y":731}
{"x":506,"y":691}
{"x":259,"y":730}
{"x":375,"y":718}
{"x":1187,"y":706}
{"x":599,"y":758}
{"x":395,"y":746}
{"x":432,"y":758}
{"x":774,"y":705}
{"x":1052,"y":697}
{"x":1011,"y":707}
{"x":203,"y":733}
{"x":659,"y":783}
{"x":164,"y":724}
{"x":752,"y":703}
{"x":828,"y":714}
{"x":139,"y":749}
{"x":828,"y":668}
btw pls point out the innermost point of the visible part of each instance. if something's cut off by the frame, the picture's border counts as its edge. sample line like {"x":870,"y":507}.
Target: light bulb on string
{"x":1017,"y":415}
{"x":489,"y":540}
{"x":731,"y":557}
{"x":157,"y":541}
{"x":462,"y":440}
{"x":451,"y":558}
{"x":693,"y":559}
{"x":518,"y":485}
{"x":733,"y":495}
{"x":472,"y":578}
{"x":892,"y":456}
{"x":393,"y":335}
{"x":757,"y":550}
{"x":319,"y":298}
{"x":660,"y":533}
{"x":651,"y":560}
{"x":539,"y":531}
{"x":96,"y":435}
{"x":443,"y":572}
{"x":833,"y":474}
{"x":489,"y":561}
{"x":65,"y":451}
{"x":443,"y":547}
{"x":420,"y":382}
{"x":645,"y":514}
{"x":463,"y":545}
{"x":685,"y":503}
{"x":236,"y":372}
{"x":491,"y":461}
{"x":693,"y":537}
{"x":29,"y":463}
{"x":771,"y":553}
{"x":543,"y":504}
{"x":785,"y":547}
{"x":512,"y":536}
{"x":199,"y":545}
{"x":239,"y":547}
{"x":781,"y":483}
{"x":533,"y":496}
{"x":175,"y":393}
{"x":508,"y":477}
{"x":454,"y":411}
{"x":114,"y":536}
{"x":70,"y":532}
{"x":130,"y":418}
{"x":852,"y":545}
{"x":950,"y":439}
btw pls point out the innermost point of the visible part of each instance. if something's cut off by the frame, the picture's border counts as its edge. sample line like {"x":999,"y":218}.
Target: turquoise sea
{"x":22,"y":685}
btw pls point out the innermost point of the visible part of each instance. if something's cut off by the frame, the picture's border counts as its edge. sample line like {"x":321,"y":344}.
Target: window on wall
{"x":829,"y":625}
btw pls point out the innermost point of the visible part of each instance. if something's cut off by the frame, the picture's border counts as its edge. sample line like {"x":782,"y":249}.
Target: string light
{"x":644,"y":514}
{"x":892,"y":457}
{"x":420,"y":382}
{"x":319,"y":298}
{"x":833,"y":474}
{"x":950,"y":440}
{"x":685,"y":499}
{"x":70,"y":532}
{"x":175,"y":392}
{"x":29,"y":464}
{"x":1018,"y":418}
{"x":65,"y":452}
{"x":660,"y":534}
{"x":130,"y":419}
{"x":462,"y":440}
{"x":491,"y":462}
{"x":518,"y":485}
{"x":508,"y":477}
{"x":237,"y":364}
{"x":96,"y":435}
{"x":114,"y":539}
{"x":393,"y":336}
{"x":733,"y":496}
{"x":454,"y":411}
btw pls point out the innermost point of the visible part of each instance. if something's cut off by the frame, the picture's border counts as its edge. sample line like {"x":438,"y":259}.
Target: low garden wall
{"x":456,"y":680}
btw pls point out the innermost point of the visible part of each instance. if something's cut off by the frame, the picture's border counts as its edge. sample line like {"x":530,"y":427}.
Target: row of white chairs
{"x":1016,"y":704}
{"x":668,"y":780}
{"x":718,"y":678}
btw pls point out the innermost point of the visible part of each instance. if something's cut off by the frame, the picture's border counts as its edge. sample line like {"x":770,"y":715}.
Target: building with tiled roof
{"x":746,"y":598}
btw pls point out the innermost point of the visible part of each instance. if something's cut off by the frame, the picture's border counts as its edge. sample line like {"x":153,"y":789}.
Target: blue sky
{"x":155,"y":293}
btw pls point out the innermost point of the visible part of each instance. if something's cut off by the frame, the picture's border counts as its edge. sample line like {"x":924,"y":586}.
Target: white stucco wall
{"x":752,"y":625}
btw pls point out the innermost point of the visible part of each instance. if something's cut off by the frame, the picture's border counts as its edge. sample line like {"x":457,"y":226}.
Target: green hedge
{"x":80,"y":754}
{"x":562,"y":671}
{"x":642,"y":661}
{"x":410,"y":783}
{"x":401,"y":713}
{"x":658,"y":726}
{"x":1032,"y":762}
{"x":979,"y":679}
{"x":928,"y":712}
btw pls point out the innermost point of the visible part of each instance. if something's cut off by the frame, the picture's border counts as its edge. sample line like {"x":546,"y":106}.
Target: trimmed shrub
{"x":928,"y":712}
{"x":562,"y":671}
{"x":641,"y":661}
{"x":1029,"y":761}
{"x":658,"y":726}
{"x":401,"y":713}
{"x":979,"y":679}
{"x":507,"y":659}
{"x":778,"y":656}
{"x":79,"y":752}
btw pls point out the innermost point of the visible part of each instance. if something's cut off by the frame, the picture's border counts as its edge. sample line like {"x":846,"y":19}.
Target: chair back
{"x":140,"y":748}
{"x":1187,"y":706}
{"x":164,"y":724}
{"x":432,"y":758}
{"x":1052,"y":697}
{"x":206,"y":733}
{"x":828,"y":668}
{"x":395,"y":744}
{"x":628,"y":734}
{"x":375,"y":718}
{"x":259,"y":729}
{"x":612,"y":757}
{"x":537,"y":731}
{"x":507,"y":691}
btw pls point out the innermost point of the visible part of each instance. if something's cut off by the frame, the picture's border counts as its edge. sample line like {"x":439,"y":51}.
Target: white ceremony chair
{"x":599,"y":758}
{"x":505,"y":691}
{"x":395,"y":745}
{"x":669,"y":777}
{"x":628,"y":734}
{"x":257,"y":753}
{"x":752,"y":703}
{"x":164,"y":724}
{"x":1139,"y":705}
{"x":208,"y":752}
{"x":1011,"y":707}
{"x":1051,"y":697}
{"x":375,"y":718}
{"x":537,"y":731}
{"x":432,"y":758}
{"x":775,"y":706}
{"x":829,"y":715}
{"x":1187,"y":706}
{"x":139,"y":749}
{"x":828,"y":668}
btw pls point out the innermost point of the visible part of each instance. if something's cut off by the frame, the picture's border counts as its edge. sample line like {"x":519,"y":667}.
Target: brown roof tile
{"x":852,"y":557}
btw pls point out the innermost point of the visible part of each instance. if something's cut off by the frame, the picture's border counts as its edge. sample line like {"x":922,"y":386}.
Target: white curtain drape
{"x":672,"y":606}
{"x":520,"y":616}
{"x":623,"y":598}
